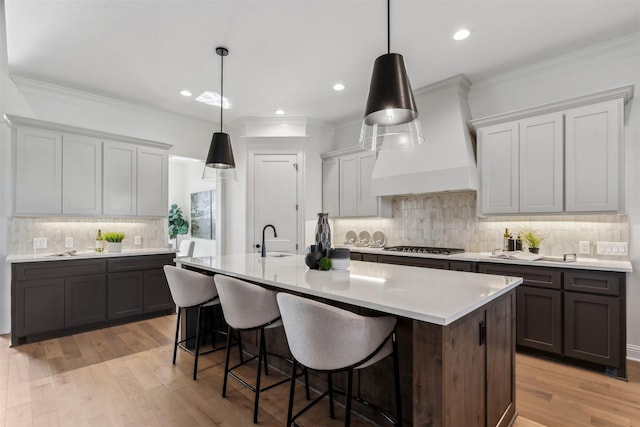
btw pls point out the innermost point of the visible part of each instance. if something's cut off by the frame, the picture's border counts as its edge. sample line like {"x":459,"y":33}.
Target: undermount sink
{"x":277,"y":254}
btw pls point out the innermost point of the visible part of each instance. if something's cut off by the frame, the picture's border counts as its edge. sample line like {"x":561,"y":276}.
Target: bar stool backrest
{"x":324,"y":337}
{"x":245,"y":305}
{"x":189,"y":288}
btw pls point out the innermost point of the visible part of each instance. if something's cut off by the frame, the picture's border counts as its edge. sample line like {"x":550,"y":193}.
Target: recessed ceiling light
{"x":461,"y":34}
{"x":279,"y":112}
{"x":338,"y":87}
{"x":213,"y":98}
{"x":185,"y":92}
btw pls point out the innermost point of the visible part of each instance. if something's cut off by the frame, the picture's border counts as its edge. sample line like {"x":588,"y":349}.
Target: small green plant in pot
{"x":114,"y":241}
{"x":533,"y":239}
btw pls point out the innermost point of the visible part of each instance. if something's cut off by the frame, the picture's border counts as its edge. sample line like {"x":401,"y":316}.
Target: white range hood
{"x":446,"y":160}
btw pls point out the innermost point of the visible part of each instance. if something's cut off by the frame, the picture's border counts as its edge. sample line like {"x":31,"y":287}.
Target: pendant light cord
{"x":388,"y":26}
{"x":221,"y":89}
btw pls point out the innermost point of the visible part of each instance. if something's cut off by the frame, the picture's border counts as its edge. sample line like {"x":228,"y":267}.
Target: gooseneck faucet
{"x":275,"y":234}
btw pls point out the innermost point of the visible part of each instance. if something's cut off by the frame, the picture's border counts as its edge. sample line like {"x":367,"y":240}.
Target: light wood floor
{"x":123,"y":376}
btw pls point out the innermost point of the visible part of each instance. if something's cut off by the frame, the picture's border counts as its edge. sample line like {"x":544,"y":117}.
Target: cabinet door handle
{"x":482,"y":333}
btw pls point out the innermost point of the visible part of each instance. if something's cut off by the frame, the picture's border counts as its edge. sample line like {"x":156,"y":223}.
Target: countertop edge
{"x":12,"y":259}
{"x":604,"y":265}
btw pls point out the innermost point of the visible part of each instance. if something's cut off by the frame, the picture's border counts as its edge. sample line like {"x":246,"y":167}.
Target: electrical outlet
{"x":612,"y":248}
{"x":584,"y":247}
{"x":40,"y":243}
{"x":68,"y":242}
{"x":137,"y":240}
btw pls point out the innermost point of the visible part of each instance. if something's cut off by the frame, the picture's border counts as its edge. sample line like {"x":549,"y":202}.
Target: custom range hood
{"x":446,"y":160}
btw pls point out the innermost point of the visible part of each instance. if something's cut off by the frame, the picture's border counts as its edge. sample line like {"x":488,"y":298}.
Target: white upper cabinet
{"x":594,"y":157}
{"x":331,"y":187}
{"x":81,"y":175}
{"x":498,"y":159}
{"x":120,"y":178}
{"x":346,"y":185}
{"x":367,"y":203}
{"x":64,"y":170}
{"x":568,"y":160}
{"x":541,"y":164}
{"x":152,"y":173}
{"x":38,"y":172}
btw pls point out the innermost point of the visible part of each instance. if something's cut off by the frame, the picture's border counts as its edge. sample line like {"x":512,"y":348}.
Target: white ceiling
{"x":288,"y":54}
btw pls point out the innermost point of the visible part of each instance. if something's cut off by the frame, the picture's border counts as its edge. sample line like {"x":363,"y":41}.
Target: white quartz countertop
{"x":87,"y":254}
{"x":430,"y":295}
{"x":580,"y":263}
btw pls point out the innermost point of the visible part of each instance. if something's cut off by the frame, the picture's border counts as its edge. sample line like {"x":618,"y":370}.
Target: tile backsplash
{"x":22,"y":231}
{"x":450,"y":220}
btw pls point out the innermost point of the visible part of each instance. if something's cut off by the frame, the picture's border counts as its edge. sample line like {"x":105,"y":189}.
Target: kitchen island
{"x":457,"y":330}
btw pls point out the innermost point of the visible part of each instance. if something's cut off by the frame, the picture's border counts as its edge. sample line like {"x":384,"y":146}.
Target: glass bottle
{"x":99,"y":242}
{"x":505,"y":243}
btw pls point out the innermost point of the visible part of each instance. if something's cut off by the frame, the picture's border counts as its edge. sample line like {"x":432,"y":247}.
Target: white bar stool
{"x":191,"y":289}
{"x":248,"y":307}
{"x":329,"y":339}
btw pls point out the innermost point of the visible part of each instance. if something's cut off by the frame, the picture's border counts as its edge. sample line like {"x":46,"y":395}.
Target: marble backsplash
{"x":450,"y":220}
{"x":22,"y":231}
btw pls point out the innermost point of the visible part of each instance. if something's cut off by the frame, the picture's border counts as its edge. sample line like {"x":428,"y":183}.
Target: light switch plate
{"x":40,"y":243}
{"x":584,"y":247}
{"x":68,"y":242}
{"x":137,"y":240}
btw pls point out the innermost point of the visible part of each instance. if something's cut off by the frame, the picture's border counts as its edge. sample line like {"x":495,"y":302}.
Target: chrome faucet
{"x":275,"y":234}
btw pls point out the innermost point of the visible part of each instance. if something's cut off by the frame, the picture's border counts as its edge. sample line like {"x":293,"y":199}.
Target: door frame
{"x":251,"y":159}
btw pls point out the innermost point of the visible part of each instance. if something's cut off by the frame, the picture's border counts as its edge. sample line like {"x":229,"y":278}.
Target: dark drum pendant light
{"x":220,"y":153}
{"x":391,"y":116}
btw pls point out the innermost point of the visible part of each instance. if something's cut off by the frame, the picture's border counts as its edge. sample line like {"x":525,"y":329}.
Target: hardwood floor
{"x":123,"y":376}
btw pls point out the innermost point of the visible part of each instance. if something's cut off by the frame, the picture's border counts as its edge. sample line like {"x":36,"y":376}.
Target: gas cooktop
{"x":424,"y":250}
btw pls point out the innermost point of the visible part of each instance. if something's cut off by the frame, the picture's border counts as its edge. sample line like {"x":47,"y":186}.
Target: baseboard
{"x":633,"y":352}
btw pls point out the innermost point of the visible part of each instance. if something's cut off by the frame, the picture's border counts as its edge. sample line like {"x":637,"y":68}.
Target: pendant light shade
{"x":391,"y":116}
{"x":220,"y":154}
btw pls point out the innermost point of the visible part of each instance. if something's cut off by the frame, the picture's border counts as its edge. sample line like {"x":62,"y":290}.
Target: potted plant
{"x":177,"y":224}
{"x":114,"y":241}
{"x":533,"y":239}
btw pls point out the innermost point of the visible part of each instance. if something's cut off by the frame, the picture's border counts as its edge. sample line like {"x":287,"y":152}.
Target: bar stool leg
{"x":396,"y":369}
{"x":260,"y":356}
{"x":264,"y":344}
{"x":292,"y":391}
{"x":347,"y":415}
{"x":195,"y":365}
{"x":226,"y":363}
{"x":175,"y":342}
{"x":306,"y":383}
{"x":332,"y":413}
{"x":239,"y":346}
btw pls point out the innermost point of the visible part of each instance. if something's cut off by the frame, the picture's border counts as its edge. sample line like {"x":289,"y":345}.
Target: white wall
{"x":5,"y":167}
{"x":185,"y":177}
{"x":318,"y":139}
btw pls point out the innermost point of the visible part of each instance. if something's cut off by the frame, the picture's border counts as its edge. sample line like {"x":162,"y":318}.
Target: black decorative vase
{"x":534,"y":250}
{"x":313,"y":256}
{"x":323,"y":233}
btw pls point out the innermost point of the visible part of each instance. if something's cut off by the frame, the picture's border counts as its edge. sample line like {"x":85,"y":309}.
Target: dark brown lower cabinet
{"x":577,"y":314}
{"x":539,"y":320}
{"x":39,"y":306}
{"x":60,"y":297}
{"x":442,"y":264}
{"x":85,"y":300}
{"x":125,"y":294}
{"x":157,"y":296}
{"x":592,"y":328}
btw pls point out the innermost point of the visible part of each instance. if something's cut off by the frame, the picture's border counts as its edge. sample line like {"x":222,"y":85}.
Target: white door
{"x":276,"y":201}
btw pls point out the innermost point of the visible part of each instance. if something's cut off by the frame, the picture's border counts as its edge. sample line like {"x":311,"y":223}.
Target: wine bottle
{"x":99,"y":242}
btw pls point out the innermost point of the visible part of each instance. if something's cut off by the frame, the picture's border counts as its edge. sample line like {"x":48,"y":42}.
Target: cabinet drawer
{"x":355,"y":256}
{"x":540,"y":277}
{"x":593,"y":282}
{"x":462,"y":266}
{"x":63,"y":268}
{"x":416,"y":262}
{"x":370,"y":257}
{"x":136,"y":263}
